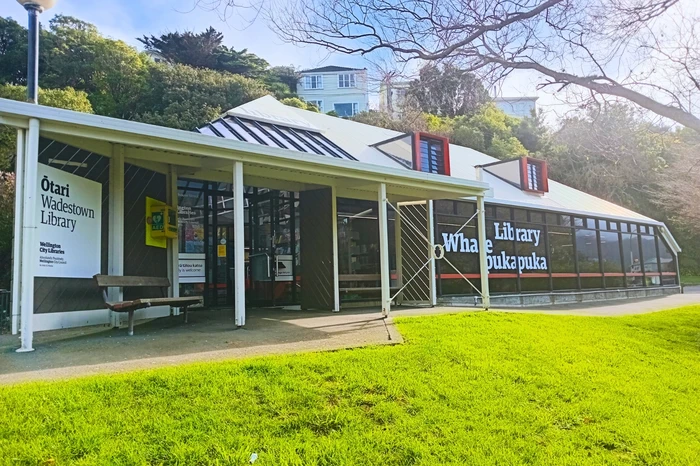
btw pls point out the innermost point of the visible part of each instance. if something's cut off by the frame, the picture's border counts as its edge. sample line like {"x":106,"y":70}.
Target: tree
{"x":300,"y":103}
{"x":447,"y":91}
{"x":183,"y":97}
{"x":644,"y":51}
{"x":490,"y":131}
{"x":67,"y":98}
{"x":679,"y":196}
{"x":13,"y":52}
{"x":533,"y":134}
{"x":614,"y":154}
{"x":7,"y":202}
{"x":204,"y":50}
{"x":285,"y":75}
{"x":110,"y":71}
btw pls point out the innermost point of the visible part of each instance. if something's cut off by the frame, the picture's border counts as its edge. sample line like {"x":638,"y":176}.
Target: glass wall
{"x":533,"y":251}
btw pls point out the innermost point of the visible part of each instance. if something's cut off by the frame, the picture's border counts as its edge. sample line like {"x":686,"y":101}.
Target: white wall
{"x":331,"y":94}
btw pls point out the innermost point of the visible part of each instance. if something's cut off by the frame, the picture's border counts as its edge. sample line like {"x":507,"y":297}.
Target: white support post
{"x":431,"y":253}
{"x":334,"y":227}
{"x":115,"y":228}
{"x":17,"y":240}
{"x":173,"y":244}
{"x":483,"y":267}
{"x":384,"y":250}
{"x":399,"y":256}
{"x":238,"y":245}
{"x":29,"y":226}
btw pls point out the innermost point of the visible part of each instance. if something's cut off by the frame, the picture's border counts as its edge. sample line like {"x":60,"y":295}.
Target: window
{"x":346,"y":110}
{"x":632,"y":260}
{"x":313,"y":82}
{"x":610,"y":257}
{"x":346,"y":80}
{"x":317,"y":103}
{"x":533,"y":175}
{"x":431,"y":154}
{"x":667,"y":261}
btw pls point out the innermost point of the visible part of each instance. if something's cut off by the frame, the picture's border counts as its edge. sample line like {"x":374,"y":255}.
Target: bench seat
{"x":104,"y":282}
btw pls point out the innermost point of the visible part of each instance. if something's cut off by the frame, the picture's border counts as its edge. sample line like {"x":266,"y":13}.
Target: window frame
{"x":308,"y":79}
{"x":417,"y":137}
{"x":354,"y":110}
{"x":351,"y":81}
{"x":525,"y":162}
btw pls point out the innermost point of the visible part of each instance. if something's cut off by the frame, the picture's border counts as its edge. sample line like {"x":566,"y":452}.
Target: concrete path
{"x":212,"y":335}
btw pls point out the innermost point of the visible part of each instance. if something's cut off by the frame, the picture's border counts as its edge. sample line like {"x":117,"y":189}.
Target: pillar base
{"x":24,"y":350}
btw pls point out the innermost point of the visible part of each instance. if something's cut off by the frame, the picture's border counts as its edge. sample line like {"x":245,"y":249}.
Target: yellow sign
{"x":150,"y":240}
{"x":221,"y":250}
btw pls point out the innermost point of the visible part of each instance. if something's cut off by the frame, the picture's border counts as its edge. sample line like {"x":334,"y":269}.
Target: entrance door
{"x":273,"y":234}
{"x":219,"y":249}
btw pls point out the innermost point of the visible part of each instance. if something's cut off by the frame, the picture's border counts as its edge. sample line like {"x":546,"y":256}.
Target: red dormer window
{"x":431,"y":154}
{"x":533,"y":175}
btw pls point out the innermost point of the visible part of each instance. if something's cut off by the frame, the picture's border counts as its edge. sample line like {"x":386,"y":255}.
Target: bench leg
{"x":185,"y":309}
{"x":131,"y":323}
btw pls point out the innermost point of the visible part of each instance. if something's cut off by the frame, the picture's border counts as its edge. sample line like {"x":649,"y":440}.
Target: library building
{"x":274,"y":206}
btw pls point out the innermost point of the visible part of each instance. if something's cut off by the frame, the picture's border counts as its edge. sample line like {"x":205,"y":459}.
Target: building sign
{"x":69,"y":223}
{"x":191,"y":268}
{"x":501,"y":261}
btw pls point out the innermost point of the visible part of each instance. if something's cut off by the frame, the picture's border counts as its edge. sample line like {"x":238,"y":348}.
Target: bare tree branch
{"x":645,"y":51}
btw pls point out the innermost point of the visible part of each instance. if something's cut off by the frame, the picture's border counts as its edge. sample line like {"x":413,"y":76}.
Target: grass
{"x":475,"y":388}
{"x":690,"y":280}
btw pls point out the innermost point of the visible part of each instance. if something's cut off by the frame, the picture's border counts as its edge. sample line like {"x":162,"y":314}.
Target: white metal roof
{"x":201,"y":156}
{"x":357,"y":139}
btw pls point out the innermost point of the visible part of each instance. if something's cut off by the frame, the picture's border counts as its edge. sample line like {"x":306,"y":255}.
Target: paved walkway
{"x":211,"y":335}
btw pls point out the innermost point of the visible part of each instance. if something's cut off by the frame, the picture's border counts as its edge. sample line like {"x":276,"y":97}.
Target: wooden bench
{"x":104,"y":282}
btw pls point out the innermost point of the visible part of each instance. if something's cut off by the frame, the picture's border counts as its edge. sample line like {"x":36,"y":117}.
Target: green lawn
{"x":477,"y":388}
{"x":690,"y":280}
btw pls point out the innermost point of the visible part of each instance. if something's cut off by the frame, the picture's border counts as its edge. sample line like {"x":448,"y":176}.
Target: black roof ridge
{"x":331,"y":68}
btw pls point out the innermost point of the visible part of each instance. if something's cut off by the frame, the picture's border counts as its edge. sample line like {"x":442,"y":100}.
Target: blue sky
{"x":129,"y":19}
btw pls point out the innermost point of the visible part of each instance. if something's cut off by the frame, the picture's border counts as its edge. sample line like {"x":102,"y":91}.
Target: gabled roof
{"x":331,"y":69}
{"x":358,"y":140}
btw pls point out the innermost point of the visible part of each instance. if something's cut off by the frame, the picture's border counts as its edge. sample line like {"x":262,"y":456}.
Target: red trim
{"x":670,"y":274}
{"x":635,"y":274}
{"x":452,"y":276}
{"x":564,"y":275}
{"x":652,"y":274}
{"x":445,"y":150}
{"x":544,"y":174}
{"x":590,"y":274}
{"x":416,"y":152}
{"x":614,"y":274}
{"x":523,"y":174}
{"x":534,"y":275}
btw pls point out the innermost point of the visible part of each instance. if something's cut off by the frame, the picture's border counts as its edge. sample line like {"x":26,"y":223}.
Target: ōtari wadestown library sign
{"x":69,"y":221}
{"x":501,"y":260}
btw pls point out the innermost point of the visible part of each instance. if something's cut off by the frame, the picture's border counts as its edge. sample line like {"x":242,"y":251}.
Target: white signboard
{"x":69,"y":222}
{"x":191,"y":268}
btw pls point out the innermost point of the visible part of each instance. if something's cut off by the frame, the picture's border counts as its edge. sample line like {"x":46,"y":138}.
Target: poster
{"x":191,"y":268}
{"x":69,"y":223}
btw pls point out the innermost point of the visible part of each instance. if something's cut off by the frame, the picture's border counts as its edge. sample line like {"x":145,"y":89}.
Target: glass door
{"x":273,"y":251}
{"x":219,"y":249}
